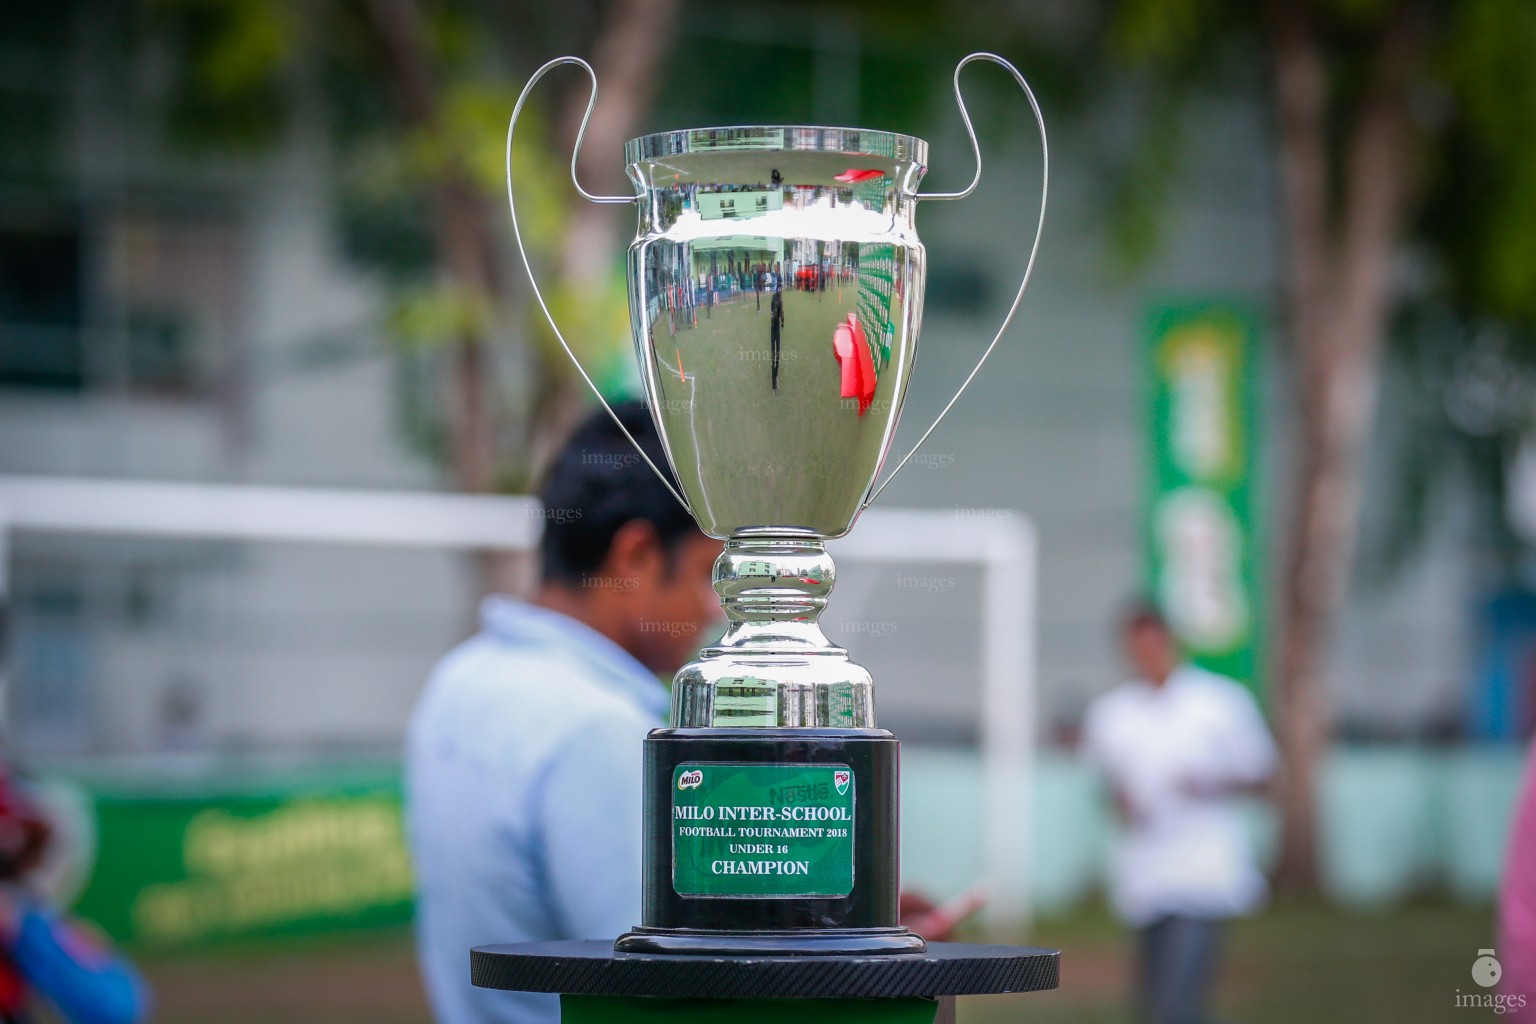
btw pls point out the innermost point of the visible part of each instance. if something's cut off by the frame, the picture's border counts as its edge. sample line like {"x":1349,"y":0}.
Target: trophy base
{"x":592,"y":967}
{"x":770,"y":841}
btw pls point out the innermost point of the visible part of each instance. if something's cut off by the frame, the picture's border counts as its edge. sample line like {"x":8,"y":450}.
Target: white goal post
{"x":1002,"y":547}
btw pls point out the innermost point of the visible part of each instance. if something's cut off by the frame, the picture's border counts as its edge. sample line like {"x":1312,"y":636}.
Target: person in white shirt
{"x":1178,"y":746}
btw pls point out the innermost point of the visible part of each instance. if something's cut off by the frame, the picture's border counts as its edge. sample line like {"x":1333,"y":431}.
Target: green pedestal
{"x":575,"y":1009}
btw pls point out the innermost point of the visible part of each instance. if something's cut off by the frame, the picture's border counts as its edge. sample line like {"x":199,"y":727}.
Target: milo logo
{"x":690,"y":780}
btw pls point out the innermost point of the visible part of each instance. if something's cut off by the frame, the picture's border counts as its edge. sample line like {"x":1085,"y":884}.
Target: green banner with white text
{"x":1202,"y":545}
{"x":231,"y":861}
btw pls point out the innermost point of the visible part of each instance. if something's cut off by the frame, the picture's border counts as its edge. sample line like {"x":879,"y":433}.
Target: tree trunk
{"x":635,"y":38}
{"x":633,"y":42}
{"x":1337,"y":299}
{"x":469,"y":260}
{"x":460,"y":233}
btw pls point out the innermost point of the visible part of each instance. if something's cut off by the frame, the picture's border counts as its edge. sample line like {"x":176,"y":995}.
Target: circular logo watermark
{"x":1486,"y":970}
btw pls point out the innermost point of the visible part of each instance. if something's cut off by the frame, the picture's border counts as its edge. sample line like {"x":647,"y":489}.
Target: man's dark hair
{"x":598,"y":483}
{"x":1143,"y":614}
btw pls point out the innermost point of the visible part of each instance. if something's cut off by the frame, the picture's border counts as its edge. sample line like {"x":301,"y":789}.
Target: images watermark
{"x":554,"y":515}
{"x":877,"y":405}
{"x":671,"y":627}
{"x":932,"y":584}
{"x":671,"y":405}
{"x":1486,"y":971}
{"x":807,"y":465}
{"x":619,"y":583}
{"x":761,"y":355}
{"x":868,"y":627}
{"x":616,"y":460}
{"x":984,"y":514}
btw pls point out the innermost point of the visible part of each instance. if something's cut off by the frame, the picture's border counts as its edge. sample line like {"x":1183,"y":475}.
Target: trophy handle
{"x":521,"y":251}
{"x":1045,"y":177}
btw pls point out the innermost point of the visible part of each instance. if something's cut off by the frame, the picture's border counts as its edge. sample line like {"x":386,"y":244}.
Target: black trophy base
{"x":594,"y":968}
{"x":847,"y":906}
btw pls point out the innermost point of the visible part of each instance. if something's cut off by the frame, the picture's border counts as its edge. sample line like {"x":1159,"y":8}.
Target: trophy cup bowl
{"x":775,"y":293}
{"x":822,"y":218}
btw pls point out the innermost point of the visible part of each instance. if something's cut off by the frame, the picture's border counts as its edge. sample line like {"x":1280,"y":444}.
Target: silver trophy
{"x":775,"y":295}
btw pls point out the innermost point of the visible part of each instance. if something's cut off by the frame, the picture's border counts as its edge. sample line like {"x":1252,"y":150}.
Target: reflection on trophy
{"x":776,"y":295}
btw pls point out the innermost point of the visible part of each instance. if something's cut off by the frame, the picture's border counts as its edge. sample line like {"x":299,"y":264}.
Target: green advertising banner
{"x":186,"y":869}
{"x":762,"y":830}
{"x":1201,"y":543}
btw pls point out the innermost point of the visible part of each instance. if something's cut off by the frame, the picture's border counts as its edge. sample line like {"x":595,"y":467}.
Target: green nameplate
{"x":762,"y":830}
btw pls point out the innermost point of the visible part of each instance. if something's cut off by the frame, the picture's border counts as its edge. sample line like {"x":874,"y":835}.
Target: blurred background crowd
{"x":1276,"y":371}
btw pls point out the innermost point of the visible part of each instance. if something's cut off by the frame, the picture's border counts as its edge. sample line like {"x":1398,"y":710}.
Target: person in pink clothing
{"x":1517,"y":905}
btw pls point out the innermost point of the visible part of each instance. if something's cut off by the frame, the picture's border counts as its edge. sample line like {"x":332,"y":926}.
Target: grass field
{"x":797,"y":456}
{"x":1299,"y":965}
{"x":1303,"y":964}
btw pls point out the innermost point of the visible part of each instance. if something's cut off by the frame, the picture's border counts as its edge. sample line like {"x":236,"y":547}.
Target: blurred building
{"x":162,"y":318}
{"x":170,"y":318}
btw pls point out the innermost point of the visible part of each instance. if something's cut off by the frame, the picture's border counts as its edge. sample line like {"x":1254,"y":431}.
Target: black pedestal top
{"x":591,"y":967}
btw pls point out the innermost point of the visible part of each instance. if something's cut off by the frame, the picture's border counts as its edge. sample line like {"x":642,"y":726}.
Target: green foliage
{"x":1472,"y":226}
{"x":241,"y":75}
{"x":1469,"y":336}
{"x":385,"y":172}
{"x":253,"y":41}
{"x":1143,"y":188}
{"x":1475,"y":96}
{"x":235,"y":73}
{"x":595,"y":321}
{"x":432,"y":316}
{"x":1483,"y":208}
{"x":1171,"y":53}
{"x":227,"y":60}
{"x":1166,"y":32}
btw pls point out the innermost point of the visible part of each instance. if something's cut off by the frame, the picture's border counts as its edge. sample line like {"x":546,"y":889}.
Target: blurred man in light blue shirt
{"x":523,"y":754}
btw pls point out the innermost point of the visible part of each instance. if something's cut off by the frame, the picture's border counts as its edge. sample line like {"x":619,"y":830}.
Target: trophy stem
{"x":773,"y":590}
{"x":773,"y":667}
